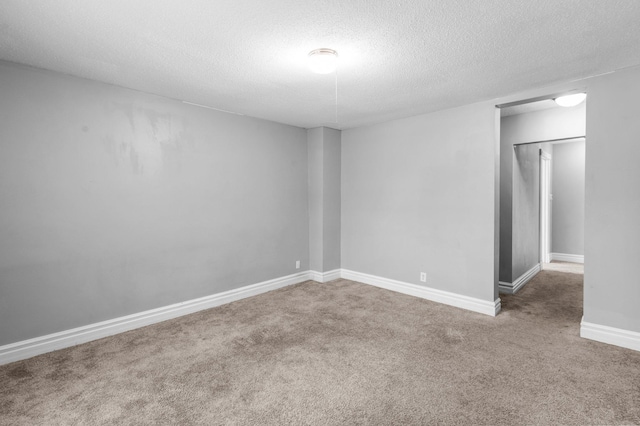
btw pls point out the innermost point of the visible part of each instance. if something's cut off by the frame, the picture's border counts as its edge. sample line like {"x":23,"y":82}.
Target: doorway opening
{"x":541,"y":190}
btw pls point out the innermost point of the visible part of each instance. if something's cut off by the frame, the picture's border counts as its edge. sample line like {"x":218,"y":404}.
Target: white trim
{"x":513,"y":288}
{"x":613,"y":336}
{"x":545,"y":206}
{"x":324,"y":277}
{"x":64,"y":339}
{"x":563,"y":257}
{"x":316,"y":276}
{"x":505,"y":287}
{"x":448,"y":298}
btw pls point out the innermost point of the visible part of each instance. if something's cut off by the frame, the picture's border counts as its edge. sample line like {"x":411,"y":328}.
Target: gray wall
{"x":418,"y":195}
{"x":507,"y":158}
{"x":516,"y":233}
{"x":332,"y":199}
{"x":568,"y":164}
{"x":116,"y":201}
{"x":315,"y":149}
{"x":526,"y":209}
{"x":612,"y":201}
{"x":324,"y":148}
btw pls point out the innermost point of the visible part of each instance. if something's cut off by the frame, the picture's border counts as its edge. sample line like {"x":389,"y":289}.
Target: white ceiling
{"x":397,"y":58}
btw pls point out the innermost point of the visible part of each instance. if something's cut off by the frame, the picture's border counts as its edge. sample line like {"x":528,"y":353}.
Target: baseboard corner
{"x":324,"y":277}
{"x":505,"y":287}
{"x":497,"y":306}
{"x":516,"y":286}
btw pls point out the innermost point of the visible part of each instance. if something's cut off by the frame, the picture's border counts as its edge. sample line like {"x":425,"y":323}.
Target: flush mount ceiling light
{"x":571,"y":100}
{"x":323,"y":61}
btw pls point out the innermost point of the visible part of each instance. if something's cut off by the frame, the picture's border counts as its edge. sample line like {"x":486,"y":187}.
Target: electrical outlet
{"x":423,"y":277}
{"x":297,"y":264}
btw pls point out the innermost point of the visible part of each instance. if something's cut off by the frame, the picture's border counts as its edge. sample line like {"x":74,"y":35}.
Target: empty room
{"x":296,"y":212}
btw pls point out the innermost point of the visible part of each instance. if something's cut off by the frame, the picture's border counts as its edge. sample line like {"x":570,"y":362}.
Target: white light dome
{"x":571,"y":100}
{"x":323,"y":61}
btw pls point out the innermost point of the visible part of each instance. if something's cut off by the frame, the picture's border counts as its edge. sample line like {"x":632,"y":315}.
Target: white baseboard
{"x":64,"y":339}
{"x":324,"y":277}
{"x":448,"y":298}
{"x":514,"y":287}
{"x":505,"y":287}
{"x":613,"y":336}
{"x":564,"y":257}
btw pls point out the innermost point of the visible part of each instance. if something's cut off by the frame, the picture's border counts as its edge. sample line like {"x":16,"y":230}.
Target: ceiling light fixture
{"x":571,"y":100}
{"x":323,"y":61}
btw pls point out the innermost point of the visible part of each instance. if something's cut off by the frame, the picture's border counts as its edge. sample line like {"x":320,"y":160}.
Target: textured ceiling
{"x":397,"y":58}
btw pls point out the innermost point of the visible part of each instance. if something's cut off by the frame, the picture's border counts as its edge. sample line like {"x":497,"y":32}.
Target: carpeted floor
{"x":340,"y":353}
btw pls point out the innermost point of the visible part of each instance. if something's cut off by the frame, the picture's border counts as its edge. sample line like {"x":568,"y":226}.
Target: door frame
{"x":546,"y":201}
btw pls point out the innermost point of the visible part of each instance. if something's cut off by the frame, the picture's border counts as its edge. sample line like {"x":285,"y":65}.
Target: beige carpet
{"x":340,"y":353}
